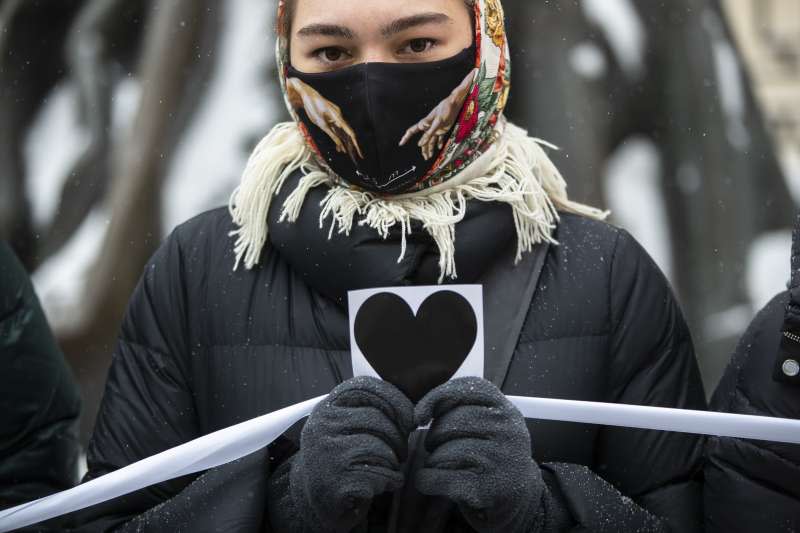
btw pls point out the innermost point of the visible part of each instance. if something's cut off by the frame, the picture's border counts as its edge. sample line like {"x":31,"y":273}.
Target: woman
{"x":753,"y":485}
{"x":399,"y":169}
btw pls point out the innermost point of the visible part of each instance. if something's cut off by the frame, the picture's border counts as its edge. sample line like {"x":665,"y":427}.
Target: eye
{"x":330,"y":54}
{"x":418,"y":46}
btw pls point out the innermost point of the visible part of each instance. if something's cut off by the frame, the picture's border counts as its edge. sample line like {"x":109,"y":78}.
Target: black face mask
{"x":366,"y":111}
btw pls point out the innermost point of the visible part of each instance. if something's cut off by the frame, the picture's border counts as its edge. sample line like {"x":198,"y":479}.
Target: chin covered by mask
{"x":399,"y":128}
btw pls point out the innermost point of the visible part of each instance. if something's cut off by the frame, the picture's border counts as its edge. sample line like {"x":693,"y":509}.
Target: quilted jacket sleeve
{"x":148,"y":407}
{"x":652,"y":363}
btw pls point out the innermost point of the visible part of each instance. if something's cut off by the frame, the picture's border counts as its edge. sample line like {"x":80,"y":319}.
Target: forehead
{"x":368,"y":13}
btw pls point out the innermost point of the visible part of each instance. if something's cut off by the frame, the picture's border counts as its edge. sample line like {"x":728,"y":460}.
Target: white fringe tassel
{"x":275,"y":158}
{"x":520,"y":174}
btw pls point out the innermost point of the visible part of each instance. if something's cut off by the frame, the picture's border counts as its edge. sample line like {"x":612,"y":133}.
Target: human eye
{"x":418,"y":46}
{"x":331,"y":56}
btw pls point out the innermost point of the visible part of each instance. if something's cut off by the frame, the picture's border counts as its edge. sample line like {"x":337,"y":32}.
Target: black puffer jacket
{"x":39,"y":401}
{"x":204,"y":347}
{"x":755,"y":485}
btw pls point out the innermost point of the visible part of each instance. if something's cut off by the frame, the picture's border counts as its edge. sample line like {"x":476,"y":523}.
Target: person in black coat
{"x":39,"y":400}
{"x":243,"y":311}
{"x":202,"y":349}
{"x":755,"y":485}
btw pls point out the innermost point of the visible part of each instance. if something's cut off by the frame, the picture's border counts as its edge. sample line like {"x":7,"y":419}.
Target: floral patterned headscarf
{"x":484,"y":159}
{"x":483,"y":103}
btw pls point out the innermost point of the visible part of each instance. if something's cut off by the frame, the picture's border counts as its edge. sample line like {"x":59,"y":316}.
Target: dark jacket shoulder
{"x":752,"y":485}
{"x":39,"y":402}
{"x":598,"y":273}
{"x":747,"y":386}
{"x":206,"y":245}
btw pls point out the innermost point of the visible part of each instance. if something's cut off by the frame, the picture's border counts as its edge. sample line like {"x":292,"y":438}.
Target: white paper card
{"x":473,"y":364}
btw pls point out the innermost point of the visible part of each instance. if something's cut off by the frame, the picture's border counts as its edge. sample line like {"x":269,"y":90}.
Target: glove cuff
{"x":289,"y":509}
{"x":526,"y":514}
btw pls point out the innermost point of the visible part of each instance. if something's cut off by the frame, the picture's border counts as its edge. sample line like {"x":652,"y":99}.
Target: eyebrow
{"x":413,"y":21}
{"x":397,"y":26}
{"x":327,"y":30}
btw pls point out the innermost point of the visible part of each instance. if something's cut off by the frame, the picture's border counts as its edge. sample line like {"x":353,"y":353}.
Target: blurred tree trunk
{"x":102,"y":46}
{"x":556,"y":103}
{"x":172,"y":69}
{"x":738,"y":190}
{"x":583,"y":81}
{"x":32,"y":36}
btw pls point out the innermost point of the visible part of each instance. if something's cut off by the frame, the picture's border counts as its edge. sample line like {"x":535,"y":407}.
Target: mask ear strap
{"x":787,"y":364}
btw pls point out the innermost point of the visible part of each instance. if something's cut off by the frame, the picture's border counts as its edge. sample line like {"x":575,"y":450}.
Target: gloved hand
{"x":480,"y":457}
{"x":351,"y":450}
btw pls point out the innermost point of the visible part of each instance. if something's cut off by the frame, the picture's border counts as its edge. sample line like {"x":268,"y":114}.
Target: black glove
{"x":480,"y":457}
{"x":351,"y":450}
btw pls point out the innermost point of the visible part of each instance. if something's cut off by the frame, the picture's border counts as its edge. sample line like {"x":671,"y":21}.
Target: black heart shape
{"x":416,"y":353}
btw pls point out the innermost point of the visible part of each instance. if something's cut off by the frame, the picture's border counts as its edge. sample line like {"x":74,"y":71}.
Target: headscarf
{"x":475,"y":129}
{"x":484,"y":159}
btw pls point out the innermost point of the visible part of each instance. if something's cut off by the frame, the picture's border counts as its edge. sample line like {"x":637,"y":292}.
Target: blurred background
{"x":120,"y":119}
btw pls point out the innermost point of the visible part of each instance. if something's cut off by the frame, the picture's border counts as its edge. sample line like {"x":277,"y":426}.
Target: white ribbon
{"x":209,"y":451}
{"x":661,"y":419}
{"x":235,"y":442}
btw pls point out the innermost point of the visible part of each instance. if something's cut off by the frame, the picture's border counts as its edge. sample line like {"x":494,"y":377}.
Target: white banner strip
{"x":209,"y":451}
{"x":235,"y":442}
{"x":661,"y":419}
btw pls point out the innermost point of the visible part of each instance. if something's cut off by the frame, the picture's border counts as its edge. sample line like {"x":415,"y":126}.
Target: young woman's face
{"x":331,"y":34}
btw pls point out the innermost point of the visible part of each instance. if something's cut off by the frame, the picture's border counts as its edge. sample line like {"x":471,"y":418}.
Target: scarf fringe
{"x":275,"y":158}
{"x":520,"y":174}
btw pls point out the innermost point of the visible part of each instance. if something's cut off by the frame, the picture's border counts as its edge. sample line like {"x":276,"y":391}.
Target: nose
{"x":378,"y":54}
